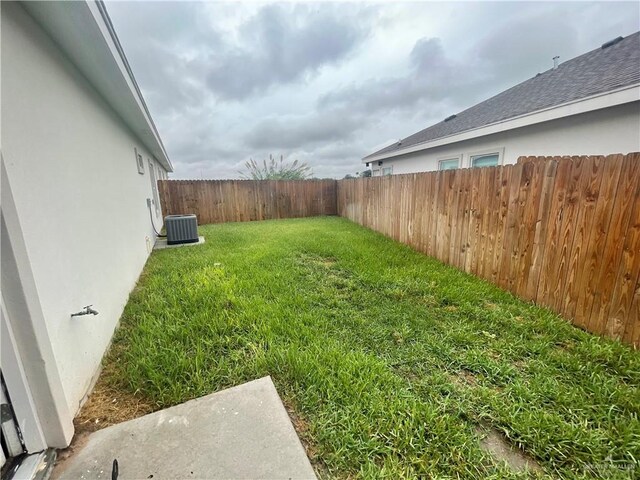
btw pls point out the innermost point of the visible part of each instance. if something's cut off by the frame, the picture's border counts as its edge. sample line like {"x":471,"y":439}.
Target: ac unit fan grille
{"x":181,"y":229}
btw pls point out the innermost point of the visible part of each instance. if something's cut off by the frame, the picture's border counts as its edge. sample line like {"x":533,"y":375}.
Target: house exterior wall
{"x":601,"y":132}
{"x":80,"y":201}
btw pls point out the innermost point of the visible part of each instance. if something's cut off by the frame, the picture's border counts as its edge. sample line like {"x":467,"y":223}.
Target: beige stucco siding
{"x":601,"y":132}
{"x":80,"y":200}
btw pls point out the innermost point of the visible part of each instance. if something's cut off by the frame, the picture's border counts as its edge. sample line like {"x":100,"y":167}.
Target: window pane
{"x":448,"y":164}
{"x":489,"y":160}
{"x":386,"y":171}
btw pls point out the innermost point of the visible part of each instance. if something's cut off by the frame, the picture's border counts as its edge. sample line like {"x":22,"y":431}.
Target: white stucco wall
{"x":80,"y":200}
{"x":601,"y":132}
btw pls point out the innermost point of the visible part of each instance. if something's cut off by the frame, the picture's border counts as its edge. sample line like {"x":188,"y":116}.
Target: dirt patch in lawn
{"x":464,"y":378}
{"x":105,"y":406}
{"x":317,"y":260}
{"x":494,"y":443}
{"x":108,"y":406}
{"x":301,"y":427}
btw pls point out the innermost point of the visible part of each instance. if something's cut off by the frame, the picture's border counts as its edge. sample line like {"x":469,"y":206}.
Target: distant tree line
{"x":363,"y":174}
{"x":276,"y":170}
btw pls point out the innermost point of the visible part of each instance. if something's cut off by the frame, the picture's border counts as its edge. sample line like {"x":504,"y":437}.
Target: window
{"x":448,"y":164}
{"x":387,"y":170}
{"x":139,"y":161}
{"x":154,"y":187}
{"x":485,"y":160}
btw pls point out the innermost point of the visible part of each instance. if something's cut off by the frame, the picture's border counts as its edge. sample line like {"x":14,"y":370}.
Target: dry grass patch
{"x":108,"y":406}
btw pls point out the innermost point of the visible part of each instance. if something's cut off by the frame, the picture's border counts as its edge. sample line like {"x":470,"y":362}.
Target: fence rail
{"x":217,"y":201}
{"x":563,"y":232}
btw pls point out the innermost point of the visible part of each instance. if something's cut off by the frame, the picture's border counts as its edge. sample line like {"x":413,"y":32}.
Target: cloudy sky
{"x":328,"y":83}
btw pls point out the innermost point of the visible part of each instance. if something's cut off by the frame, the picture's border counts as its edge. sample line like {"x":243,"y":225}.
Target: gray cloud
{"x":533,"y":39}
{"x":432,"y":76}
{"x":329,"y":83}
{"x":440,"y":84}
{"x":302,"y":131}
{"x":167,"y":42}
{"x":281,"y":44}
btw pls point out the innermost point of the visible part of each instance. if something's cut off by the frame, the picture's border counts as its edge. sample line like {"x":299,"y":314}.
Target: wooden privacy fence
{"x":561,"y":231}
{"x":217,"y":201}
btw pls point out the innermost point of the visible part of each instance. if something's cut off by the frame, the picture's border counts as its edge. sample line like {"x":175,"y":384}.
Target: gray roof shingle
{"x":598,"y":71}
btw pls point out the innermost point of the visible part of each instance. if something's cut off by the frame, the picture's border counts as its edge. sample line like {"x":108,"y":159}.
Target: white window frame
{"x":154,"y":186}
{"x":139,"y":161}
{"x":487,"y":151}
{"x":449,"y":158}
{"x":383,"y":168}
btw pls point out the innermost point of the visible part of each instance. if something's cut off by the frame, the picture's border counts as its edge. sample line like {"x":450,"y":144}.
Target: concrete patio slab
{"x":241,"y":433}
{"x":161,"y":243}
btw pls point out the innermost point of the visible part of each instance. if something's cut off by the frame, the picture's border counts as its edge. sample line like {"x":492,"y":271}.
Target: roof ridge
{"x":565,"y":91}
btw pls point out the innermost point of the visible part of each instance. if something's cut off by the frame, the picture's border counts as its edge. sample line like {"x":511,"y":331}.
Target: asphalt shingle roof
{"x":598,"y":71}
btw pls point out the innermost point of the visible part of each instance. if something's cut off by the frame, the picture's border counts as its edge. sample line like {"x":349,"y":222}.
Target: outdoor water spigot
{"x":85,"y":311}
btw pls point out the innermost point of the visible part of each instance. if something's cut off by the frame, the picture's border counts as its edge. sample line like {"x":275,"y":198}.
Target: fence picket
{"x":563,"y":232}
{"x":218,"y":201}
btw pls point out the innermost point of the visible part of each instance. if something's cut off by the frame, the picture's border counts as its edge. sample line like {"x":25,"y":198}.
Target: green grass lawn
{"x":389,"y":359}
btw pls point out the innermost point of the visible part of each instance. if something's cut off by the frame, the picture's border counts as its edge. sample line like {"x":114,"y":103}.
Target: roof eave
{"x":611,"y":98}
{"x":126,"y":70}
{"x":84,"y":32}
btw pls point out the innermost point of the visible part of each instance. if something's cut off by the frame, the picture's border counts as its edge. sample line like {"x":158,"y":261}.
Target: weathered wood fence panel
{"x":563,"y":232}
{"x":217,"y":201}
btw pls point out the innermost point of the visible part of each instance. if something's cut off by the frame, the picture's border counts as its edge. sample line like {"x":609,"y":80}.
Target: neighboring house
{"x":80,"y":160}
{"x":589,"y":105}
